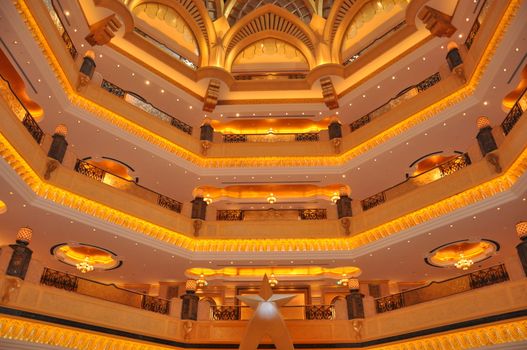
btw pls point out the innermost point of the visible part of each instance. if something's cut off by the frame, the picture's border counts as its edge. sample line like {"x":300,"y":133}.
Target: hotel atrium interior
{"x":162,"y":162}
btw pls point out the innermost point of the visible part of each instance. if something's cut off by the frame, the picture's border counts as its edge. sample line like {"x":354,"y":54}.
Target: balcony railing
{"x":141,"y":103}
{"x":50,"y":5}
{"x":436,"y":290}
{"x":271,"y":76}
{"x":515,"y":113}
{"x":271,"y":214}
{"x":165,"y":48}
{"x":309,"y":312}
{"x":21,"y":111}
{"x":116,"y":181}
{"x":271,"y":137}
{"x":109,"y":292}
{"x":374,"y":43}
{"x":444,"y":169}
{"x":477,"y":24}
{"x":404,"y":95}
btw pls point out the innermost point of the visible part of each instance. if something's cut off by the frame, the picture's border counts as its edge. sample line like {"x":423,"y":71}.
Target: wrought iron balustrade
{"x":100,"y":175}
{"x":139,"y":102}
{"x":60,"y":280}
{"x":320,"y":312}
{"x":57,"y":21}
{"x":312,"y":214}
{"x":515,"y":113}
{"x":33,"y":127}
{"x":444,"y":169}
{"x":406,"y":94}
{"x":477,"y":24}
{"x":229,"y":215}
{"x":271,"y":137}
{"x":108,"y":292}
{"x":224,"y":313}
{"x":436,"y":290}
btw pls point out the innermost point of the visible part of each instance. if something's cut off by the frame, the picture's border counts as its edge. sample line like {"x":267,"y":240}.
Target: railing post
{"x":487,"y":143}
{"x":335,"y":133}
{"x":354,"y":301}
{"x":344,"y":212}
{"x":87,"y":69}
{"x":21,"y":256}
{"x":455,"y":62}
{"x":199,"y":212}
{"x":521,"y":230}
{"x":206,"y":135}
{"x":190,"y":301}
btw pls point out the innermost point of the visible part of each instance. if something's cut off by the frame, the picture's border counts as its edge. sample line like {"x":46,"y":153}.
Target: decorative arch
{"x":199,"y":21}
{"x":270,"y":20}
{"x":248,"y":41}
{"x":235,"y":10}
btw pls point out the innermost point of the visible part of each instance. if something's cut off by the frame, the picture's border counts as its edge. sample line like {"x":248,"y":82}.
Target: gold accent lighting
{"x":85,"y":266}
{"x":344,"y":281}
{"x":208,"y":199}
{"x":334,"y":198}
{"x":273,"y":282}
{"x":521,"y":229}
{"x":463,"y":263}
{"x":61,"y":129}
{"x":271,"y":199}
{"x":483,"y":122}
{"x":24,"y":235}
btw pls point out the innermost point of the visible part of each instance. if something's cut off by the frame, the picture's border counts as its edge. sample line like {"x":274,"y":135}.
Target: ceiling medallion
{"x":462,"y":254}
{"x":85,"y":257}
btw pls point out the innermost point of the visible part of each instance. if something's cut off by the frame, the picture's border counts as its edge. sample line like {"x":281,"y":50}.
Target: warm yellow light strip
{"x":284,"y":271}
{"x":229,"y":162}
{"x":103,"y":212}
{"x":40,"y":333}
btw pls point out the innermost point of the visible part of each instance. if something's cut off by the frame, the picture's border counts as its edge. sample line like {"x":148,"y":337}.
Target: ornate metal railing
{"x":312,"y":214}
{"x":141,"y":103}
{"x":271,"y":76}
{"x":60,"y":280}
{"x":309,"y":312}
{"x":165,"y":48}
{"x":108,"y":292}
{"x":436,"y":290}
{"x":320,"y":312}
{"x":100,"y":175}
{"x":271,"y":214}
{"x":515,"y":113}
{"x":55,"y":18}
{"x":477,"y":24}
{"x":33,"y":127}
{"x":224,"y":313}
{"x":229,"y":215}
{"x":402,"y":96}
{"x":271,"y":137}
{"x":444,"y":169}
{"x":374,"y":43}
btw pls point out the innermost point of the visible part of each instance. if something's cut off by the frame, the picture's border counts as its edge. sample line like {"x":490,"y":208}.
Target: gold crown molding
{"x":40,"y":333}
{"x":225,"y":162}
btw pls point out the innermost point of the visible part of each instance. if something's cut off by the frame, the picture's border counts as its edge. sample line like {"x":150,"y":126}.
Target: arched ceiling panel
{"x":303,"y":9}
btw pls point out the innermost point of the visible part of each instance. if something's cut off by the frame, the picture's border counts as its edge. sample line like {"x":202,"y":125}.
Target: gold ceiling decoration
{"x":462,"y":255}
{"x":283,"y":272}
{"x":86,"y":257}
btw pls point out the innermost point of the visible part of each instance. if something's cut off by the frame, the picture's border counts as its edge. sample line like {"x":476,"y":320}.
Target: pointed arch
{"x":235,"y":10}
{"x":275,"y":21}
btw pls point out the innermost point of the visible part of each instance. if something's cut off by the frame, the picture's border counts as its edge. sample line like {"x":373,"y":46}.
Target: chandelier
{"x":463,"y":263}
{"x":85,"y":266}
{"x":201,"y":282}
{"x":271,"y":199}
{"x":334,"y":198}
{"x":273,"y":281}
{"x":207,"y":199}
{"x":344,"y":281}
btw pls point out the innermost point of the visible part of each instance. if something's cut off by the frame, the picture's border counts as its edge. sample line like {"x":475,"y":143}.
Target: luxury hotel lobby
{"x":243,"y":174}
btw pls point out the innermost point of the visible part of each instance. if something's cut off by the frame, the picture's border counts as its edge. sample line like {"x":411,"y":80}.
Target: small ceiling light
{"x":273,"y":282}
{"x":393,"y":77}
{"x":517,"y":49}
{"x":460,"y":36}
{"x":344,"y":281}
{"x":485,"y":103}
{"x":85,"y":266}
{"x":66,"y":13}
{"x":147,"y":82}
{"x":271,"y":199}
{"x":189,"y":107}
{"x":467,"y":19}
{"x":100,"y":55}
